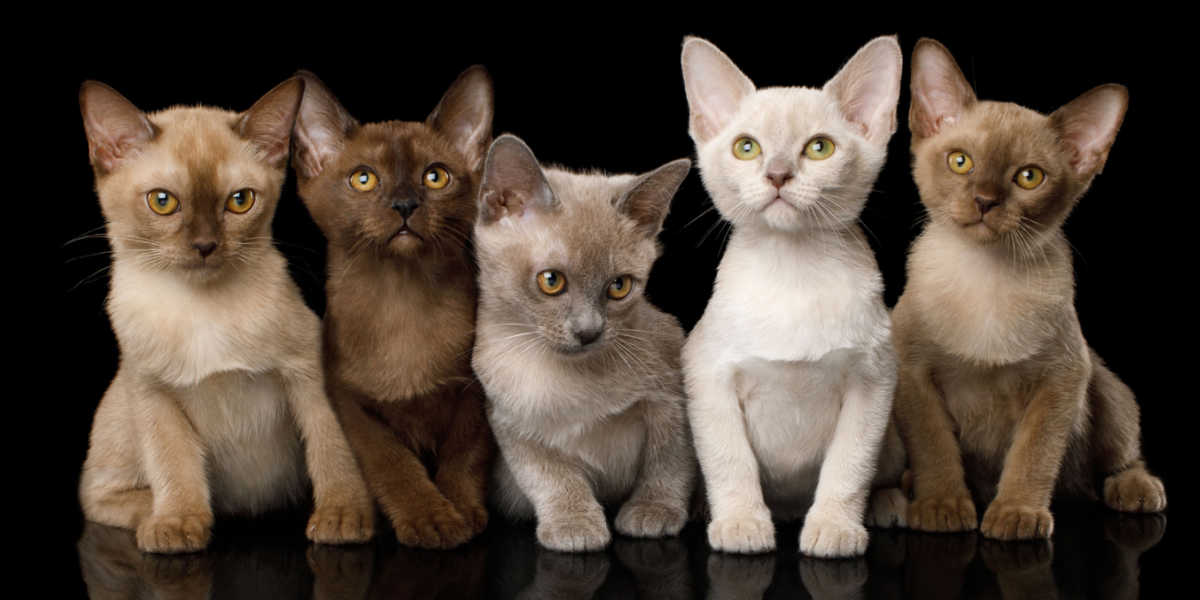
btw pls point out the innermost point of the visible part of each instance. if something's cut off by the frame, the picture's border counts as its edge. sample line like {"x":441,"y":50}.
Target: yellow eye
{"x":1029,"y":177}
{"x":746,"y":148}
{"x":552,"y":282}
{"x":819,"y":148}
{"x":363,"y":180}
{"x":961,"y":163}
{"x":620,"y":287}
{"x":240,"y":201}
{"x":162,"y":202}
{"x":435,"y":178}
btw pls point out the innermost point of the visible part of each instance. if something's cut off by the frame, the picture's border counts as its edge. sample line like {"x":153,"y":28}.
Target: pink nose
{"x":779,"y":178}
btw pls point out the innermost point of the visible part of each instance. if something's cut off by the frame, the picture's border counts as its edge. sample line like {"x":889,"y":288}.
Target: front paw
{"x":831,"y":537}
{"x":175,"y":533}
{"x":579,"y":532}
{"x":889,"y":508}
{"x":745,"y":534}
{"x":943,"y":513}
{"x":341,"y":524}
{"x":1135,"y":490}
{"x":436,"y":528}
{"x":649,"y":519}
{"x":1006,"y":520}
{"x":475,"y":514}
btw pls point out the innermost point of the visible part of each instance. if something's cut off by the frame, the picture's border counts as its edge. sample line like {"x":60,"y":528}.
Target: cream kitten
{"x":790,"y":372}
{"x":582,"y":376}
{"x":219,"y":401}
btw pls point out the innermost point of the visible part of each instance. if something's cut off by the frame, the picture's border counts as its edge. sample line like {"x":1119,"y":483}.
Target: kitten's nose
{"x":405,"y":207}
{"x":205,"y":247}
{"x":985,"y":204}
{"x":779,"y":172}
{"x":587,"y":336}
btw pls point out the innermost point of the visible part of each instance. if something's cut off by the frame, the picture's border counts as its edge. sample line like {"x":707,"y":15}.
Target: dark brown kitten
{"x":396,"y":201}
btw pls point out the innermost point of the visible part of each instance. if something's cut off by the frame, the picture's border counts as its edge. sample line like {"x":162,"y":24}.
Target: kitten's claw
{"x":1135,"y":490}
{"x":171,"y":534}
{"x":828,"y":537}
{"x":650,"y":519}
{"x":1006,"y":520}
{"x":341,"y":524}
{"x":583,"y":532}
{"x":942,"y":514}
{"x":889,"y":508}
{"x":742,"y":534}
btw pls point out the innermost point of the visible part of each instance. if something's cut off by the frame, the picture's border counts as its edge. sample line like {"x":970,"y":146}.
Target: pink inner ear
{"x":868,"y":88}
{"x":1088,"y":126}
{"x":940,"y":93}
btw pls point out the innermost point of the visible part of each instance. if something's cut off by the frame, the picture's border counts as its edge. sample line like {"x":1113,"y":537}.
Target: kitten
{"x":396,"y":201}
{"x":790,"y":371}
{"x":582,"y":373}
{"x":219,"y":399}
{"x":997,"y":386}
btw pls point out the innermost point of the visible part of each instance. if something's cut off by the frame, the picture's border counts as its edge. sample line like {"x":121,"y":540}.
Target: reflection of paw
{"x":1004,"y":557}
{"x":175,"y":533}
{"x":329,"y":562}
{"x":734,"y":576}
{"x":832,"y":537}
{"x":188,"y":571}
{"x":440,"y":527}
{"x":649,"y":519}
{"x":571,"y":571}
{"x":942,"y":514}
{"x":1138,"y":533}
{"x":1007,"y":520}
{"x":941,"y":551}
{"x":655,"y":555}
{"x":829,"y":579}
{"x":581,"y":532}
{"x":889,"y":508}
{"x":341,"y":524}
{"x":747,"y":534}
{"x":1135,"y":490}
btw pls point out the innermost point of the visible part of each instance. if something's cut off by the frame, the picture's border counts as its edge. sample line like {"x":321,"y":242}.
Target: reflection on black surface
{"x":1094,"y":554}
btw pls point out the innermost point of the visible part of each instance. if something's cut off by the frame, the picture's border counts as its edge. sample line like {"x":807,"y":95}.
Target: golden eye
{"x":819,"y":148}
{"x":552,"y":282}
{"x":364,"y":180}
{"x":961,"y":163}
{"x":162,"y":202}
{"x":620,"y":287}
{"x":435,"y":178}
{"x":240,"y":201}
{"x":1029,"y":177}
{"x":746,"y":148}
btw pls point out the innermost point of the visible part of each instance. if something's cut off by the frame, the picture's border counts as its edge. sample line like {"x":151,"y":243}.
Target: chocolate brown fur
{"x":401,"y":306}
{"x":998,"y":389}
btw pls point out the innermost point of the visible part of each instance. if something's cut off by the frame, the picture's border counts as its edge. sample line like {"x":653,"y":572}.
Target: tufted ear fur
{"x":940,"y":93}
{"x":649,"y":198}
{"x":116,"y":129}
{"x":321,"y":128}
{"x":1088,"y":126}
{"x":513,"y":182}
{"x":868,"y":88}
{"x":714,"y":86}
{"x":465,"y":113}
{"x":268,"y":124}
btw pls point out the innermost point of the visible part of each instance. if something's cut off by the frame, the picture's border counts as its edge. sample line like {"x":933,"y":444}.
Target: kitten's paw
{"x":583,"y":532}
{"x":889,"y":508}
{"x":827,"y":537}
{"x":742,"y":534}
{"x":1135,"y":490}
{"x":475,"y":514}
{"x":650,"y":519}
{"x":438,"y":528}
{"x":170,"y":534}
{"x":1005,"y":520}
{"x":943,"y":513}
{"x":341,"y":524}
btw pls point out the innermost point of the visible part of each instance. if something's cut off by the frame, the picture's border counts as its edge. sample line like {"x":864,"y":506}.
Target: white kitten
{"x":790,"y":372}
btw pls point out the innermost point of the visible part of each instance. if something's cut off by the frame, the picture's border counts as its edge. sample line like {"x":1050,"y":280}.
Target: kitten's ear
{"x":465,"y":114}
{"x":268,"y":124}
{"x":649,"y":198}
{"x":321,"y":127}
{"x":513,"y":183}
{"x":115,"y":128}
{"x":714,"y":86}
{"x":1088,"y":126}
{"x":940,"y":93}
{"x":868,"y":88}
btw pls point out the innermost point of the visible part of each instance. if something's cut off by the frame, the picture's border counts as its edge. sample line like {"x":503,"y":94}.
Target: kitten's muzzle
{"x":205,"y":247}
{"x":406,"y":207}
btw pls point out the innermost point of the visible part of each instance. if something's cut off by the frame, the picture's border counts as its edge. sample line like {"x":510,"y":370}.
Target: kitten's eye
{"x":819,"y":148}
{"x":620,"y":287}
{"x":240,"y":201}
{"x":162,"y":202}
{"x":746,"y":148}
{"x":1029,"y":177}
{"x":363,"y":180}
{"x":435,"y":178}
{"x":961,"y":163}
{"x":551,"y":282}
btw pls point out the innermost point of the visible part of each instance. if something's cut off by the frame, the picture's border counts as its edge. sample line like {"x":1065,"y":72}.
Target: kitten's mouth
{"x":405,"y":232}
{"x":779,"y":200}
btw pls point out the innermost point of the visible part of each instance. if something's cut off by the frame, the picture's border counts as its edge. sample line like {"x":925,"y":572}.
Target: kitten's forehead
{"x":1005,"y":132}
{"x":783,"y":113}
{"x":402,"y":144}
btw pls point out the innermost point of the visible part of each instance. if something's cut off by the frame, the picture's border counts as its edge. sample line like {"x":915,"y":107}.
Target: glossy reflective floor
{"x":1094,"y":554}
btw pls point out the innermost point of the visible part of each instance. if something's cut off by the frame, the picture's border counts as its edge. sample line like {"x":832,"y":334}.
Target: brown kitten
{"x":219,"y":401}
{"x":396,"y":201}
{"x":998,"y":387}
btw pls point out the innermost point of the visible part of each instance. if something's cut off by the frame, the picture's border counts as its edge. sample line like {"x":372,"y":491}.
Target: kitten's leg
{"x":889,"y":499}
{"x":420,"y":514}
{"x":741,"y":521}
{"x":342,"y":511}
{"x":569,"y":518}
{"x":112,"y":489}
{"x":659,"y":503}
{"x":465,"y":460}
{"x":1116,"y":445}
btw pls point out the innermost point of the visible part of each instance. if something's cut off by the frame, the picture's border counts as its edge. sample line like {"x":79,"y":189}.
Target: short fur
{"x":582,"y":422}
{"x":219,"y":401}
{"x":998,"y":388}
{"x":401,"y":302}
{"x":790,"y":371}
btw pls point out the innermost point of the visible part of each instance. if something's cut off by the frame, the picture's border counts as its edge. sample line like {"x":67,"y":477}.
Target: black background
{"x":612,"y":98}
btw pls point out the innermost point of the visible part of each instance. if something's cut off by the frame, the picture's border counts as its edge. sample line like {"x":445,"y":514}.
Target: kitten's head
{"x":567,"y":255}
{"x":791,"y":158}
{"x":398,"y":189}
{"x":188,"y":189}
{"x":997,"y":171}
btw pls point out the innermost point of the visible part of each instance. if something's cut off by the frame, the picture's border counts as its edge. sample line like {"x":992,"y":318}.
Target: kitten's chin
{"x":405,"y":242}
